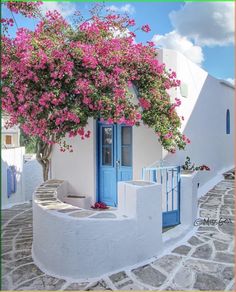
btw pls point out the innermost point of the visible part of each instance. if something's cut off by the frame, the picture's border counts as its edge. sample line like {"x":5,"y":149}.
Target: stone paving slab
{"x":204,"y":262}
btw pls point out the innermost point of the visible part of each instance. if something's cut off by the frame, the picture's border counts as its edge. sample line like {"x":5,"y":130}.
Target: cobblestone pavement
{"x":204,"y":262}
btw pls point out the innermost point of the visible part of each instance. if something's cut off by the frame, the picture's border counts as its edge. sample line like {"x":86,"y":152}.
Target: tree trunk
{"x":43,"y":156}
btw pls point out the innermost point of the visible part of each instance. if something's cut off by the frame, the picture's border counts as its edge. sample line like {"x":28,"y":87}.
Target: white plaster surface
{"x":72,"y":247}
{"x":204,"y":111}
{"x":78,"y":167}
{"x":10,"y":157}
{"x":32,"y":177}
{"x":146,"y":149}
{"x":188,"y":198}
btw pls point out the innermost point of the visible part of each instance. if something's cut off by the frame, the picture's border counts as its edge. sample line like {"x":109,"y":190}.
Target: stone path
{"x":204,"y":262}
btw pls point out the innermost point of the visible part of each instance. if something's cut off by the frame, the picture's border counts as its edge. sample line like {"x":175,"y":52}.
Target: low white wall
{"x":80,"y":248}
{"x":10,"y":157}
{"x":189,"y":198}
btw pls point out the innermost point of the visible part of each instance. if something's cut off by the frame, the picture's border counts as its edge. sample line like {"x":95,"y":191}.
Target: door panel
{"x":107,"y":168}
{"x":124,"y":141}
{"x":115,"y":160}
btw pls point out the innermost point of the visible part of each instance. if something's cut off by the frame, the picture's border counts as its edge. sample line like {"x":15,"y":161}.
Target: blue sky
{"x":201,"y":31}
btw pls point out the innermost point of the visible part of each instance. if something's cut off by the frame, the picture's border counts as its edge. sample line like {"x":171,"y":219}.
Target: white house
{"x":19,"y":177}
{"x":114,"y":152}
{"x":10,"y":136}
{"x":132,"y":232}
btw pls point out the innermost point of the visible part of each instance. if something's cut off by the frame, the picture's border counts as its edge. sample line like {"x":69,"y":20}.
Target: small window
{"x":126,"y":146}
{"x":227,"y":122}
{"x":107,"y":136}
{"x":8,"y":140}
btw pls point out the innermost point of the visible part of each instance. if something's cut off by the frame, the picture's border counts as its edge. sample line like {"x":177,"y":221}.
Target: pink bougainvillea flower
{"x":56,"y":77}
{"x":146,"y":28}
{"x":145,"y":104}
{"x":131,"y":22}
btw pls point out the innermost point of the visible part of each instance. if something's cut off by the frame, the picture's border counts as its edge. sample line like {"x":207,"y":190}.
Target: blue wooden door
{"x":114,"y":160}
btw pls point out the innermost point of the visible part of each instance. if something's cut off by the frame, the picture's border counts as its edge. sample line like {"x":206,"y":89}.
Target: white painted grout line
{"x":230,"y":285}
{"x":25,"y":282}
{"x":8,"y":222}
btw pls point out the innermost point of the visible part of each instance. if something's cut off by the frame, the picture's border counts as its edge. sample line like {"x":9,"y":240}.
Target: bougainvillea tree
{"x":57,"y":76}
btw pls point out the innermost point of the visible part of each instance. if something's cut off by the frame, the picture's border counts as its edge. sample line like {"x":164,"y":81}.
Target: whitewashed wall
{"x":146,"y":149}
{"x":204,"y":110}
{"x":32,"y":177}
{"x":78,"y":167}
{"x":13,"y":156}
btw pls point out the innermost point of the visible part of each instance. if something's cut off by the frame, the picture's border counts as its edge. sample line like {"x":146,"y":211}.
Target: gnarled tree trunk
{"x":43,"y":156}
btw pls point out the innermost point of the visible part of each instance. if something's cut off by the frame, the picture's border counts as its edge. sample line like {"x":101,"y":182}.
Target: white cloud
{"x":207,"y":23}
{"x":127,"y":8}
{"x":65,"y":8}
{"x":230,"y":80}
{"x":174,"y":41}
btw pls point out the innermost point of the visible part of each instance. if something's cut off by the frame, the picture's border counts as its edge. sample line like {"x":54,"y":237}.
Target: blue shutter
{"x":227,"y":122}
{"x":13,"y":179}
{"x":9,"y":182}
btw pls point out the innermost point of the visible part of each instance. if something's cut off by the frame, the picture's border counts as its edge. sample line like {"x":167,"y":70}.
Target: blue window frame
{"x":227,"y":121}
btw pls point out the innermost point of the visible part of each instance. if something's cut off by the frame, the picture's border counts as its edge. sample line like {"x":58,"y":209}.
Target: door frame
{"x":98,"y":154}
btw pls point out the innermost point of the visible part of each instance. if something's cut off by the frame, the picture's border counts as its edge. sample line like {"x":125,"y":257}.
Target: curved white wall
{"x":70,"y":242}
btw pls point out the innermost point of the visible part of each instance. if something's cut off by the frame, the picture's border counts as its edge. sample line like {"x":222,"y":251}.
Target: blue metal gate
{"x":169,"y":178}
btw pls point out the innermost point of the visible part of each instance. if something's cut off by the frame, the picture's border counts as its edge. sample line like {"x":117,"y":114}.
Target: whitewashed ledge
{"x":74,"y":243}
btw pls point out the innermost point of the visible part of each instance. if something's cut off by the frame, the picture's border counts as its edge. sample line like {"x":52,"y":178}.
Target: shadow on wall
{"x":206,"y":128}
{"x":33,"y":177}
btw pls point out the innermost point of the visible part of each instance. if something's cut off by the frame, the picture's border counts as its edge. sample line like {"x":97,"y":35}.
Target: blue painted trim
{"x":179,"y":190}
{"x":167,"y":197}
{"x":14,"y":179}
{"x":153,"y":175}
{"x":116,"y":155}
{"x":9,"y":182}
{"x":227,"y":121}
{"x":172,"y":188}
{"x":97,"y":160}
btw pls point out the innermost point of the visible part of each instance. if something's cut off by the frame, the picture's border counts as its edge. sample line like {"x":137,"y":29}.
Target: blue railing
{"x":169,"y":178}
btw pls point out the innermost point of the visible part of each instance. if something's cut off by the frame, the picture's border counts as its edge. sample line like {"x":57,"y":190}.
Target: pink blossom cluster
{"x":186,"y":139}
{"x":56,"y":77}
{"x":29,"y":9}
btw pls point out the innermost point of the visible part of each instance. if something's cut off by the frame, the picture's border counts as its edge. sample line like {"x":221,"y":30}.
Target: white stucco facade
{"x":205,"y":101}
{"x":10,"y":137}
{"x":12,"y":157}
{"x":79,"y":168}
{"x":204,"y":109}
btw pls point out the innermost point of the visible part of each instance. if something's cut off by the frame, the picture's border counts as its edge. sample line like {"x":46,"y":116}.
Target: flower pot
{"x":187,"y":171}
